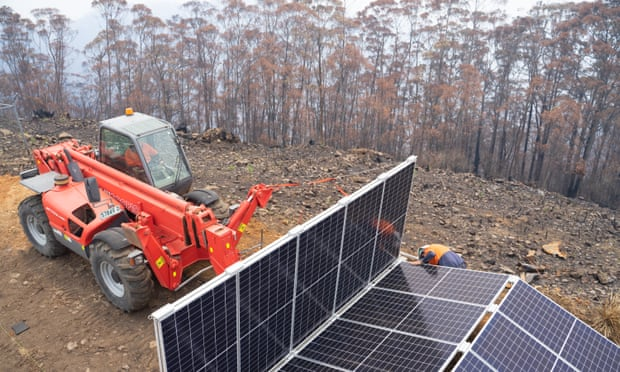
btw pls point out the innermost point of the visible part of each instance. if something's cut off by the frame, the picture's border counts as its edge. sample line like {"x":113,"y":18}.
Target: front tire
{"x":127,"y":287}
{"x":37,"y":227}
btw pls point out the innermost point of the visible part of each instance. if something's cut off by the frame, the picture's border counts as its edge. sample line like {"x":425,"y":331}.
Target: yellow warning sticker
{"x":210,"y":249}
{"x":160,"y":262}
{"x":227,"y":245}
{"x":242,"y":227}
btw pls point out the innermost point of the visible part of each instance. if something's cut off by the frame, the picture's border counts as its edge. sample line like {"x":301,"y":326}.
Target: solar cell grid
{"x":262,"y":347}
{"x":226,"y":361}
{"x":353,"y":274}
{"x":471,"y":363}
{"x":560,"y":366}
{"x":319,"y":248}
{"x":506,"y":347}
{"x":361,"y":212}
{"x":396,"y":194}
{"x":401,"y":352}
{"x":588,"y":350}
{"x":266,"y":286}
{"x":328,"y":347}
{"x":387,"y":247}
{"x":202,"y":330}
{"x":549,"y":323}
{"x":302,"y":365}
{"x":413,"y":279}
{"x":313,"y":306}
{"x":442,"y":320}
{"x":473,"y":287}
{"x":382,"y":308}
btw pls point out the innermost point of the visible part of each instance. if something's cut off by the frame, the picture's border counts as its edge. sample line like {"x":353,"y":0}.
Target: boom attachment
{"x":130,"y":229}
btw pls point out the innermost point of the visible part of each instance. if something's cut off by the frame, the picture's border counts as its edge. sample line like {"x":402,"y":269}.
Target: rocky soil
{"x":567,"y":248}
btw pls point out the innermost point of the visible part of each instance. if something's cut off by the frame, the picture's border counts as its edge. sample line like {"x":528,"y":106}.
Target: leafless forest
{"x":533,"y":98}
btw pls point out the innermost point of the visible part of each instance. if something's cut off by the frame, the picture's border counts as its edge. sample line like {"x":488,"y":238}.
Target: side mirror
{"x":92,"y":189}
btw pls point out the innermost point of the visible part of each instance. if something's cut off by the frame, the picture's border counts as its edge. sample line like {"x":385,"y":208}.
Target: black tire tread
{"x":137,"y":280}
{"x":34,"y":205}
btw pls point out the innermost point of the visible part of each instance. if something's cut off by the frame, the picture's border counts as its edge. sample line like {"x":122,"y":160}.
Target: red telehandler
{"x":127,"y":207}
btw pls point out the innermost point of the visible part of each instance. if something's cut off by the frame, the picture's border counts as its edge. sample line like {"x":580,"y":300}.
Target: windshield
{"x":163,"y":156}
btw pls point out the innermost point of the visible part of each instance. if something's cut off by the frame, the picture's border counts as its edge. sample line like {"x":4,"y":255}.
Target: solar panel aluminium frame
{"x":251,"y":320}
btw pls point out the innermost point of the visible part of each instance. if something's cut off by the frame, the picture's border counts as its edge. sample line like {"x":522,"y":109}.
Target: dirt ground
{"x":497,"y":225}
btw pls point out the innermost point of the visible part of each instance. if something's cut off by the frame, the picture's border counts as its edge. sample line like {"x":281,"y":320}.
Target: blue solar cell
{"x":344,"y":344}
{"x":199,"y":332}
{"x":302,"y":365}
{"x":471,"y":363}
{"x":475,"y":287}
{"x":382,"y":308}
{"x":442,"y":320}
{"x":387,"y":247}
{"x":269,"y":342}
{"x":507,"y":348}
{"x":354,"y":273}
{"x":396,"y":194}
{"x":401,"y":352}
{"x":227,"y":361}
{"x":560,"y":366}
{"x":314,"y":305}
{"x":547,"y":321}
{"x":414,"y":279}
{"x":266,"y":286}
{"x":588,"y":350}
{"x":319,"y":249}
{"x":170,"y":342}
{"x":360,"y":229}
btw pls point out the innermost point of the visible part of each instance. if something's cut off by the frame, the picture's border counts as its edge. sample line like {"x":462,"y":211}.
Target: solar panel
{"x":373,"y":307}
{"x":549,"y":323}
{"x":331,"y":296}
{"x":530,"y":330}
{"x":468,"y":286}
{"x":358,"y":243}
{"x":474,"y":287}
{"x":265,"y":307}
{"x":259,"y":310}
{"x":200,"y":330}
{"x":361,"y":341}
{"x":420,"y":280}
{"x":400,"y":352}
{"x":507,"y":347}
{"x":442,"y":320}
{"x":588,"y":350}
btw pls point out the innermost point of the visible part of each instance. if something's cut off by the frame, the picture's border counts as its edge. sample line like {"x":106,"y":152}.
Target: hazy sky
{"x":78,"y":8}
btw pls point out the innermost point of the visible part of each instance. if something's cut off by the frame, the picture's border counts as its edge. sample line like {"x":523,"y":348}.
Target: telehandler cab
{"x":127,"y":208}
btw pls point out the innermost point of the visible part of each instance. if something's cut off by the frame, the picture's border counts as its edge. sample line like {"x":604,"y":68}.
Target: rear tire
{"x":37,"y":227}
{"x":127,"y":287}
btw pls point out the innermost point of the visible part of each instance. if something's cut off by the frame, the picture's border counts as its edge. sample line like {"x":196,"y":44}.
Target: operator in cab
{"x":439,"y":254}
{"x":132,"y":159}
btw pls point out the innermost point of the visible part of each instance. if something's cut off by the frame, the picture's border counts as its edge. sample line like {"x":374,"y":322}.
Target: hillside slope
{"x":496,"y":225}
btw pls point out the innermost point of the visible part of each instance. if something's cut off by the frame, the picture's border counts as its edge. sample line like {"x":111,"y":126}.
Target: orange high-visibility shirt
{"x":133,"y":160}
{"x":438,"y":249}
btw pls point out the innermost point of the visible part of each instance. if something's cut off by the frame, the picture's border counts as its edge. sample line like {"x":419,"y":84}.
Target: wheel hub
{"x":111,"y":279}
{"x":36,"y":230}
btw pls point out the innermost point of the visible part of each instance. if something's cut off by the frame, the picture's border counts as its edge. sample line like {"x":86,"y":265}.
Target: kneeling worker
{"x":438,"y":254}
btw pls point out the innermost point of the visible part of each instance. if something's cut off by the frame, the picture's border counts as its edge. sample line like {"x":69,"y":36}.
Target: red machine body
{"x":168,"y":231}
